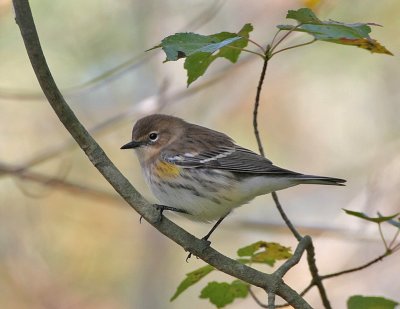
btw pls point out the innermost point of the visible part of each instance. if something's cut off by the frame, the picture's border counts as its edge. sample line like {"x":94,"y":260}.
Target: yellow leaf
{"x":369,"y":44}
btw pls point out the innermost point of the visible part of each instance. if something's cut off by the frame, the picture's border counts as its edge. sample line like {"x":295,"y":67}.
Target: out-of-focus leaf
{"x":222,"y":293}
{"x":181,"y":45}
{"x":200,"y":50}
{"x":362,"y":215}
{"x":356,"y":34}
{"x":264,"y":252}
{"x":191,"y":279}
{"x":251,"y":249}
{"x":393,"y":222}
{"x":370,"y":302}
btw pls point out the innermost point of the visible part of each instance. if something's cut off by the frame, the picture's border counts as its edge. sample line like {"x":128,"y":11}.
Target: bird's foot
{"x":206,"y":244}
{"x":161,"y":209}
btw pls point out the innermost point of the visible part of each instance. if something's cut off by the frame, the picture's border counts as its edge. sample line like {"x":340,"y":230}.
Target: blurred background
{"x":67,"y":240}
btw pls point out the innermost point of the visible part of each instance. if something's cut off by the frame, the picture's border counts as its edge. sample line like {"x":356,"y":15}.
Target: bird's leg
{"x":205,"y":238}
{"x":161,"y":209}
{"x":215,"y":227}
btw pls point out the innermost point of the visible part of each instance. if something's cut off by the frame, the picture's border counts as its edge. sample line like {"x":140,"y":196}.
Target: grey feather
{"x":244,"y":162}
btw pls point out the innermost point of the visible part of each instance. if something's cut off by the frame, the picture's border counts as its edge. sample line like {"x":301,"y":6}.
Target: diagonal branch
{"x":100,"y":160}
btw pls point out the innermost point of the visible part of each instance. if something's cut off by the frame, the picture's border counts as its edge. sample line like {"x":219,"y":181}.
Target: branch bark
{"x":100,"y":160}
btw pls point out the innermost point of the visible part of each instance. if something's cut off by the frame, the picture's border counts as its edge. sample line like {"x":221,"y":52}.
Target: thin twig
{"x":284,"y":37}
{"x":275,"y":36}
{"x":351,"y":270}
{"x":247,"y":50}
{"x":340,"y":273}
{"x":382,"y":237}
{"x":298,"y":253}
{"x":394,"y":238}
{"x":258,"y":302}
{"x":258,"y":45}
{"x":395,"y":248}
{"x":294,"y":46}
{"x":312,"y":265}
{"x":257,"y":103}
{"x":285,"y":217}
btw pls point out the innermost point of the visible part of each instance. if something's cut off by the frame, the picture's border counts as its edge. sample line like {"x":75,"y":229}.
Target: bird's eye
{"x":153,"y":136}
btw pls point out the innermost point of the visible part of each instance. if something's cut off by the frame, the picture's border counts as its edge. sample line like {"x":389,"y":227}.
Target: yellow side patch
{"x":164,"y":169}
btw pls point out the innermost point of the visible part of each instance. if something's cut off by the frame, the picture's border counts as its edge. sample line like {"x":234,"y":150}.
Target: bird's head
{"x":151,"y":133}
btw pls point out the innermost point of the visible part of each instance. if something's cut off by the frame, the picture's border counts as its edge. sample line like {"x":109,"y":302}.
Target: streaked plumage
{"x":203,"y":171}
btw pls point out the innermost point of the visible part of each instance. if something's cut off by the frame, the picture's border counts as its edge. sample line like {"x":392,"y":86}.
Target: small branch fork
{"x":270,"y":283}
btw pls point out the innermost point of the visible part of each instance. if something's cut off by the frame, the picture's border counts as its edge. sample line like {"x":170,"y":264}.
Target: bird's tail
{"x":320,"y":180}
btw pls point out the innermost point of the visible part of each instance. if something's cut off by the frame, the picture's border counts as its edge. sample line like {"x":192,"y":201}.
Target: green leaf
{"x":356,"y":34}
{"x":303,"y":16}
{"x":370,"y":302}
{"x":378,"y":219}
{"x":392,"y":221}
{"x":264,"y":252}
{"x":200,"y":50}
{"x":232,"y":54}
{"x":181,"y":45}
{"x":222,"y":293}
{"x":196,"y":65}
{"x":191,"y":279}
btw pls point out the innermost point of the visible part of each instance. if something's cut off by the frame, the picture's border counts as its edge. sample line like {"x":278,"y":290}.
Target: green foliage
{"x":192,"y":278}
{"x":378,"y":219}
{"x":181,"y":45}
{"x":264,"y":252}
{"x":370,"y":302}
{"x":199,"y":49}
{"x":222,"y":293}
{"x":356,"y":34}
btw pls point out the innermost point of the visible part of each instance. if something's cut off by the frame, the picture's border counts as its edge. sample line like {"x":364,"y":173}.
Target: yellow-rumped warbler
{"x":202,"y":172}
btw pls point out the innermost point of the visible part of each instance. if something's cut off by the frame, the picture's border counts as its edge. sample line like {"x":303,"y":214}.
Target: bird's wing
{"x":232,"y":158}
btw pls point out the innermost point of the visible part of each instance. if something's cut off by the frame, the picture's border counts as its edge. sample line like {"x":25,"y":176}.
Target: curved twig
{"x":310,"y":248}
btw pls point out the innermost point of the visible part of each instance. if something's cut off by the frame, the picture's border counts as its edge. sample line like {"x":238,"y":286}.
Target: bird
{"x":202,"y":173}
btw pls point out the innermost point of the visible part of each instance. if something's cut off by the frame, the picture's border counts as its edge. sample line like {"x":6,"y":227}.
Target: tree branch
{"x":257,"y":102}
{"x":295,"y":259}
{"x":99,"y":159}
{"x":347,"y":271}
{"x":310,"y":247}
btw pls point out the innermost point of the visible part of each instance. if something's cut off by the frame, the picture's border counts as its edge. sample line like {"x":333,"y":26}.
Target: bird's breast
{"x":165,"y":170}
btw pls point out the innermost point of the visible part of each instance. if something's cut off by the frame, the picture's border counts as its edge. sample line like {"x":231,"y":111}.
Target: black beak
{"x":132,"y":144}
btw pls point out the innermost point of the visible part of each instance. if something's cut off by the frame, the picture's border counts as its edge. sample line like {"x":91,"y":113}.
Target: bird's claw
{"x":206,"y":244}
